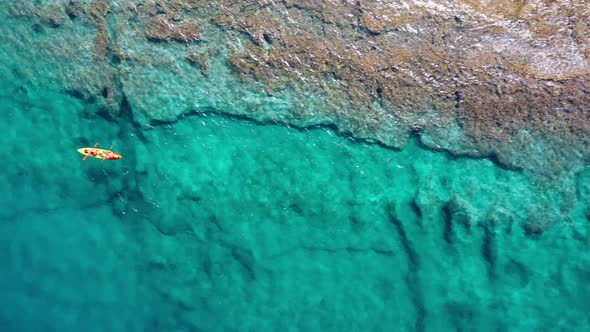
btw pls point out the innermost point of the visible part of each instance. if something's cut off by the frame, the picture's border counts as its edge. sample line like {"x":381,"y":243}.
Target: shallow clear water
{"x":218,"y":223}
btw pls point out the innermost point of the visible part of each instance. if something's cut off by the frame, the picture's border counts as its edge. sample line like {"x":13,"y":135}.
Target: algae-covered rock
{"x":493,"y":78}
{"x":163,"y":30}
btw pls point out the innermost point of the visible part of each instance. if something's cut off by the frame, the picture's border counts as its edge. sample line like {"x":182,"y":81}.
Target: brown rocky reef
{"x":505,"y":72}
{"x":474,"y":77}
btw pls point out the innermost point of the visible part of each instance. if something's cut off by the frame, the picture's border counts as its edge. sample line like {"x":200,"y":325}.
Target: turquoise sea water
{"x":217,"y":223}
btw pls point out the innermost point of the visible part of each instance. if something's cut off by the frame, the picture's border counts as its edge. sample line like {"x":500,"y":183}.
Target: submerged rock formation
{"x":507,"y":79}
{"x":209,"y":223}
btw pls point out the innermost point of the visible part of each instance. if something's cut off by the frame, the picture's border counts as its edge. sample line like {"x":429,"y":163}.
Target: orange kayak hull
{"x":100,"y":153}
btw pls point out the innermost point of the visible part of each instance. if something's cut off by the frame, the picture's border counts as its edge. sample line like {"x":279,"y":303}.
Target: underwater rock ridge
{"x":505,"y":79}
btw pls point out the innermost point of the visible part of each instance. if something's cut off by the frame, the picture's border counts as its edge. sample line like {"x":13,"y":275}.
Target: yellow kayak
{"x":99,"y":153}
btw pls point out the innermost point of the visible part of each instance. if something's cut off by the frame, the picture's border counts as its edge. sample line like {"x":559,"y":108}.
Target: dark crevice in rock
{"x":458,"y":22}
{"x":383,"y":252}
{"x":267,"y":38}
{"x":457,"y":99}
{"x":105,"y":92}
{"x":106,"y":114}
{"x":367,"y":31}
{"x":37,"y":28}
{"x":448,"y":223}
{"x":416,"y":134}
{"x":347,"y":249}
{"x":417,"y":210}
{"x":132,"y":196}
{"x":73,"y":9}
{"x":127,"y":122}
{"x":78,"y":94}
{"x":243,"y":256}
{"x":494,"y":158}
{"x":460,"y":215}
{"x":324,"y":125}
{"x":350,"y":250}
{"x":246,"y":259}
{"x":408,"y":248}
{"x":379,"y":100}
{"x":412,"y":279}
{"x":488,"y":249}
{"x":214,"y":220}
{"x":114,"y":58}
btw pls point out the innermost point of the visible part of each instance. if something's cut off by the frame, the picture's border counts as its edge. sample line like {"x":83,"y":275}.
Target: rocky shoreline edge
{"x":507,"y":81}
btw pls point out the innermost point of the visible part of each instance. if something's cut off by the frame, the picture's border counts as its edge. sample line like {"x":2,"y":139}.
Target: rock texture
{"x":506,"y":79}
